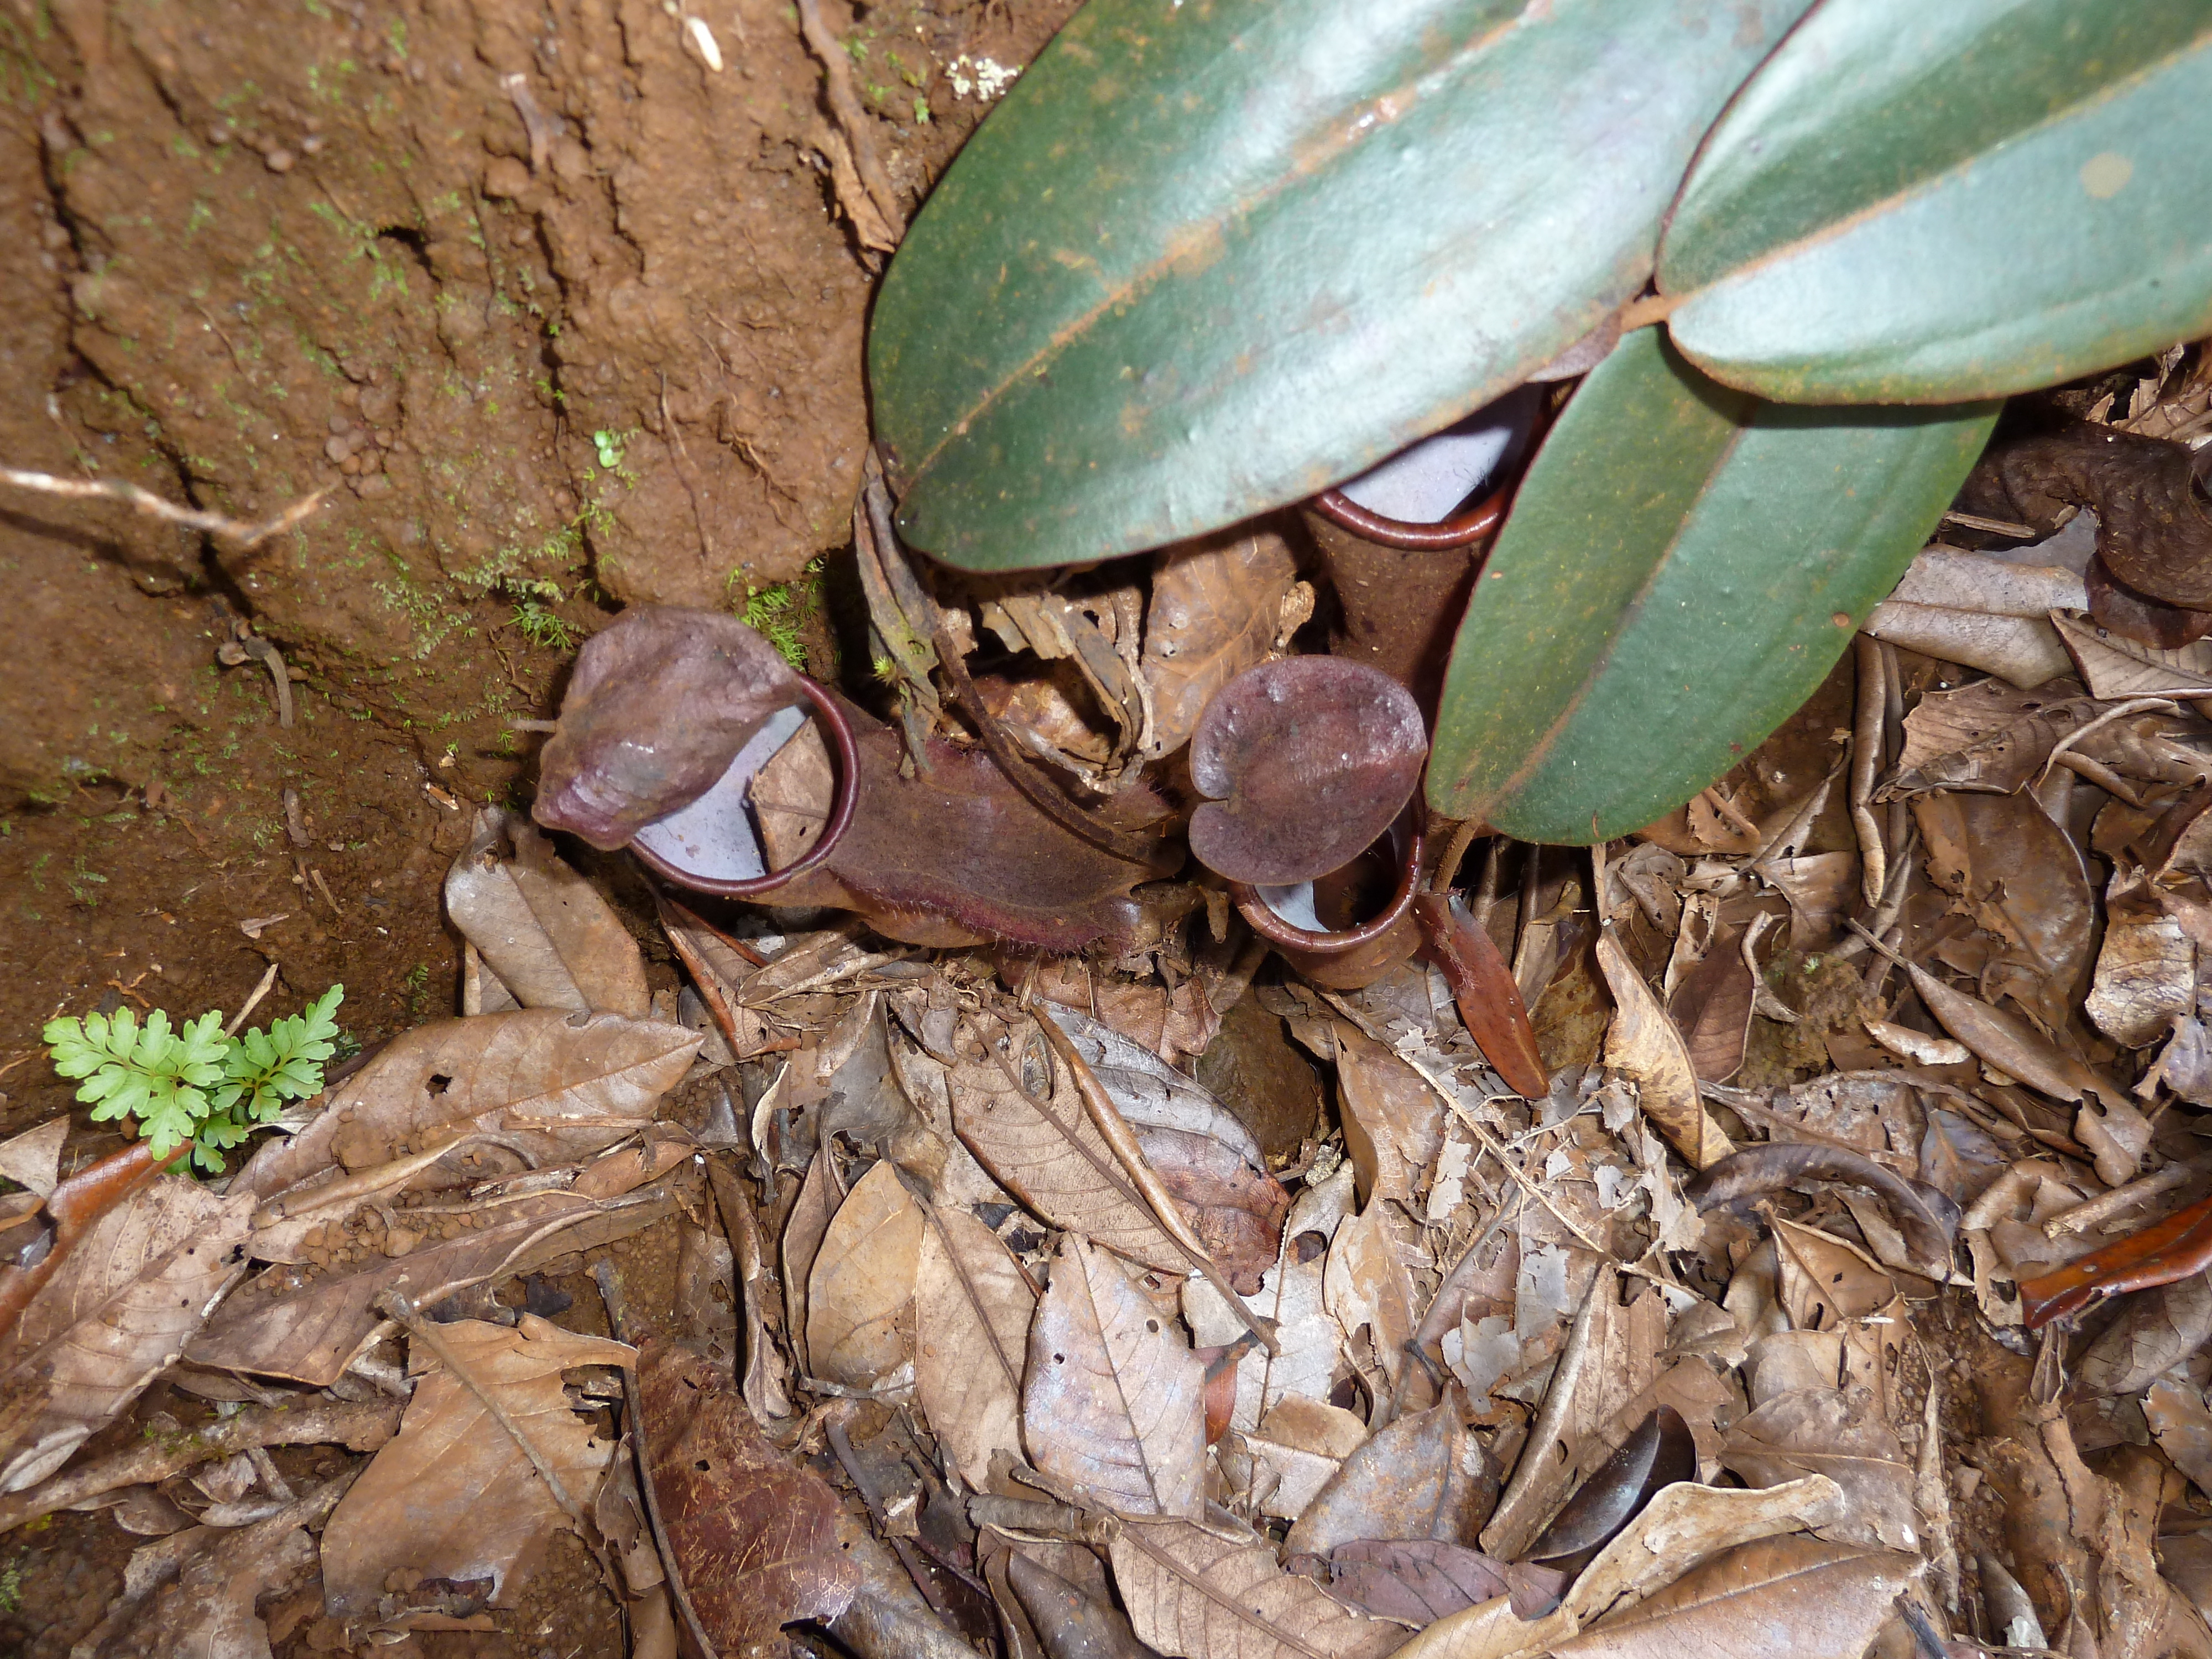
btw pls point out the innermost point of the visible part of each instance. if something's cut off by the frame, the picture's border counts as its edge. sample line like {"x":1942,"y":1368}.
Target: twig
{"x":245,"y":643}
{"x":2022,"y":532}
{"x":114,"y":490}
{"x":254,"y":1001}
{"x":610,"y":1293}
{"x":845,"y":104}
{"x":362,"y":1427}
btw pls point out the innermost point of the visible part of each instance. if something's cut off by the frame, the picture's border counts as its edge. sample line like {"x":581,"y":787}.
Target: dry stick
{"x":2132,"y":706}
{"x":215,"y":524}
{"x":610,"y":1293}
{"x":232,"y":651}
{"x":2091,"y":1210}
{"x":252,"y":1002}
{"x":1871,"y":709}
{"x":845,"y":104}
{"x":1107,"y":1117}
{"x":1115,"y":1178}
{"x":361,"y":1427}
{"x":1489,"y":1142}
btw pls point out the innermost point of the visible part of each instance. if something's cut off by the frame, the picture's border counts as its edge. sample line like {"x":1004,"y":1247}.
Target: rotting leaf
{"x":1217,"y":608}
{"x":2154,"y":1332}
{"x":661,"y":701}
{"x":1200,"y":1596}
{"x":2146,"y":974}
{"x":1113,"y":1401}
{"x":1304,"y":763}
{"x":119,"y":1311}
{"x":543,"y":929}
{"x":1802,"y":1432}
{"x":1071,"y":1623}
{"x":1659,"y":1452}
{"x":1366,"y":1287}
{"x":860,"y":1291}
{"x":1986,"y":735}
{"x":1644,"y":1046}
{"x":973,"y":1305}
{"x":453,"y":1496}
{"x":753,"y":1534}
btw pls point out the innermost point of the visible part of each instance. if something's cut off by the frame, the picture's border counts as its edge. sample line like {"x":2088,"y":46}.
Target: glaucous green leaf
{"x":1212,"y":256}
{"x":1682,"y":565}
{"x":1925,"y":201}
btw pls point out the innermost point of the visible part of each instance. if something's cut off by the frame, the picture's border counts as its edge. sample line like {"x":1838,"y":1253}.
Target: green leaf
{"x":1206,"y":259}
{"x":1682,"y":565}
{"x":1927,"y":201}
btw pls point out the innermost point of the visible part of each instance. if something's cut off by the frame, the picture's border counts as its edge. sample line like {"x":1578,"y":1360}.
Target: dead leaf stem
{"x":610,"y":1293}
{"x":1871,"y":710}
{"x":845,"y":104}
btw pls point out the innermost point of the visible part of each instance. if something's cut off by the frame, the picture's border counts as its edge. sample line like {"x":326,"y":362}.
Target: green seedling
{"x":609,"y":447}
{"x":194,"y":1082}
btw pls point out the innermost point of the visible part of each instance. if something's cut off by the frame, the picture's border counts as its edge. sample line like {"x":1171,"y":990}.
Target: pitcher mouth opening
{"x":715,"y":844}
{"x":1282,"y":914}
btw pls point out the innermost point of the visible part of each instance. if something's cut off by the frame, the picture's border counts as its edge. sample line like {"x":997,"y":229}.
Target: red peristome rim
{"x":840,"y":815}
{"x":1273,"y":928}
{"x":1469,"y":527}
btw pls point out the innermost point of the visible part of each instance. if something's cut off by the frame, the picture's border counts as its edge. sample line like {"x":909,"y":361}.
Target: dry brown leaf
{"x":1682,"y":1527}
{"x":1113,"y":1401}
{"x":753,"y":1535}
{"x":2014,"y":871}
{"x":1421,"y":1581}
{"x":819,"y":1195}
{"x":1216,"y":610}
{"x":1071,"y":1624}
{"x":119,"y":1312}
{"x":2116,"y":667}
{"x":2146,"y":974}
{"x":1826,"y":1432}
{"x":453,"y":1496}
{"x":1644,"y":1046}
{"x":2156,"y":1330}
{"x":1031,"y":1131}
{"x":2025,"y":650}
{"x":1419,"y":1477}
{"x":1194,"y":1596}
{"x":1712,"y":1007}
{"x":860,"y":1291}
{"x":2175,"y":1410}
{"x":308,"y":1323}
{"x":539,"y":925}
{"x":1309,"y":1362}
{"x":560,"y":1084}
{"x":717,"y":970}
{"x":1394,"y":1122}
{"x":33,"y":1159}
{"x":1782,"y":1598}
{"x":972,"y":1307}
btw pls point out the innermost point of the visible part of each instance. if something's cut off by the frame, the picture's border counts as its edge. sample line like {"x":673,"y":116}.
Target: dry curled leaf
{"x":860,"y":1291}
{"x":1393,"y":1122}
{"x":1216,"y":610}
{"x":1483,"y":987}
{"x":2154,"y":531}
{"x":1928,"y":1219}
{"x":455,"y":1495}
{"x":2016,"y":874}
{"x":2154,"y":1332}
{"x":1113,"y":1402}
{"x":1644,"y":1046}
{"x":1419,"y":1477}
{"x":543,"y":929}
{"x":2146,"y":974}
